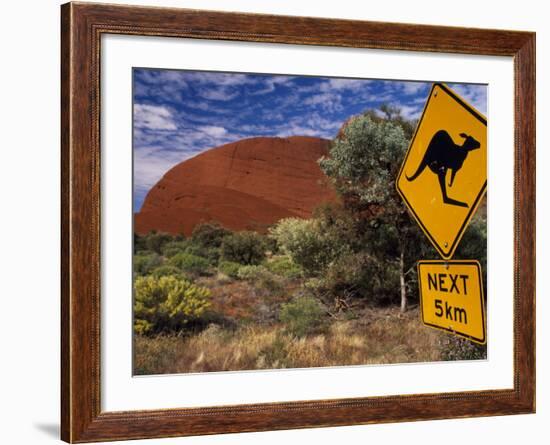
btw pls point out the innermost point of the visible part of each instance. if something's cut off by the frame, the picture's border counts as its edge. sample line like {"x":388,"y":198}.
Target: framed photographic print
{"x":284,"y":222}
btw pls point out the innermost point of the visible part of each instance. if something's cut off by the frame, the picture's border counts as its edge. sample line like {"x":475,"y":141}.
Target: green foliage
{"x":171,"y":251}
{"x":284,"y":266}
{"x":212,"y":254}
{"x":473,"y":246}
{"x":139,"y":243}
{"x":166,"y":270}
{"x":307,"y":243}
{"x":393,"y":113}
{"x":366,"y":159}
{"x":210,"y":234}
{"x":243,"y":247}
{"x":384,"y":242}
{"x":364,"y":162}
{"x":190,"y":263}
{"x":250,"y":272}
{"x":145,"y":263}
{"x":172,"y":248}
{"x":167,"y":304}
{"x":360,"y":275}
{"x":155,"y":241}
{"x":474,"y":243}
{"x":261,"y":278}
{"x":456,"y":348}
{"x":271,"y":246}
{"x":302,"y":316}
{"x":206,"y":241}
{"x":229,"y":268}
{"x":341,"y":224}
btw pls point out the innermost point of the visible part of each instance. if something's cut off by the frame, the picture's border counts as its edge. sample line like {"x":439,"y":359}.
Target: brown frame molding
{"x":81,"y":28}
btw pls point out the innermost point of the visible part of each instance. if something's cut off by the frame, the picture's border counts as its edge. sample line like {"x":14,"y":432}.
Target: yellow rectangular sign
{"x":451,"y":297}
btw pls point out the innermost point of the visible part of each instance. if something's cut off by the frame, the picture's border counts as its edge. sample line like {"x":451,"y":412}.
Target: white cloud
{"x":153,"y":117}
{"x":321,"y":123}
{"x":328,"y":101}
{"x":410,"y":88}
{"x":344,"y":84}
{"x":475,"y":95}
{"x":168,"y":84}
{"x":419,"y":101}
{"x":177,"y":77}
{"x":213,"y":131}
{"x":269,"y":83}
{"x":258,"y":129}
{"x":410,"y":112}
{"x":222,"y":94}
{"x":297,"y":130}
{"x":283,"y":102}
{"x":224,"y":79}
{"x":269,"y":87}
{"x":150,"y":164}
{"x":225,"y":84}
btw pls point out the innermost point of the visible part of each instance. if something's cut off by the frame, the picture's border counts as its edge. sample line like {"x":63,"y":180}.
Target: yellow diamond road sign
{"x":451,"y":297}
{"x":444,"y":175}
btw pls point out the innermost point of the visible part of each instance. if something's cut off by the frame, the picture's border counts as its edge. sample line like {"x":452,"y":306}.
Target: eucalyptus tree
{"x":363,"y":163}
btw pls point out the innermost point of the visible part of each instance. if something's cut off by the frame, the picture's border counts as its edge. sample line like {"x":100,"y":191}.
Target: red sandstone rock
{"x":244,"y":185}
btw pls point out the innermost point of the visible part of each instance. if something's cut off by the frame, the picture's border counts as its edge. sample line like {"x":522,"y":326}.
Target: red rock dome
{"x":245,"y":185}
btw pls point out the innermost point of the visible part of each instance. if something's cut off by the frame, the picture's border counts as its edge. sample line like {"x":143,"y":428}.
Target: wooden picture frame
{"x":82,"y":26}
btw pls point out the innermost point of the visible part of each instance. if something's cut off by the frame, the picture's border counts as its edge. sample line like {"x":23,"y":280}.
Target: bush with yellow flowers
{"x":167,"y":304}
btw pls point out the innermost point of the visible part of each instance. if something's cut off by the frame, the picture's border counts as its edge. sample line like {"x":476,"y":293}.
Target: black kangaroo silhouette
{"x":443,"y":154}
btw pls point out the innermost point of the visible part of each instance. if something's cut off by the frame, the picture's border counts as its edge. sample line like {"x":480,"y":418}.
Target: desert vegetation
{"x":339,"y":288}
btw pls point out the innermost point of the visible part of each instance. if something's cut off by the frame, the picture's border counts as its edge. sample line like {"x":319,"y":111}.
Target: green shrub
{"x":307,"y":243}
{"x":473,"y":246}
{"x":145,"y":263}
{"x":139,"y":243}
{"x":271,"y":245}
{"x":229,"y":268}
{"x":212,"y":254}
{"x":302,"y":316}
{"x":190,"y":263}
{"x":167,"y":304}
{"x":340,"y":226}
{"x":173,"y":248}
{"x":261,"y":278}
{"x":456,"y":348}
{"x":165,"y":270}
{"x":251,"y":272}
{"x":155,"y":241}
{"x":243,"y":247}
{"x":284,"y":266}
{"x":210,"y":234}
{"x":361,"y":275}
{"x":171,"y":251}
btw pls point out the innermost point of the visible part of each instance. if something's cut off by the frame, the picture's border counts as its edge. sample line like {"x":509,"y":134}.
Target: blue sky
{"x":179,"y":114}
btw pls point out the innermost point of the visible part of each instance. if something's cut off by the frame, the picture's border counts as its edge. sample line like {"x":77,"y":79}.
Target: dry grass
{"x":379,"y":337}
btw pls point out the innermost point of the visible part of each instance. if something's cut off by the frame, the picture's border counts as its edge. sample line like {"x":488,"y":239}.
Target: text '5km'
{"x":451,"y":296}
